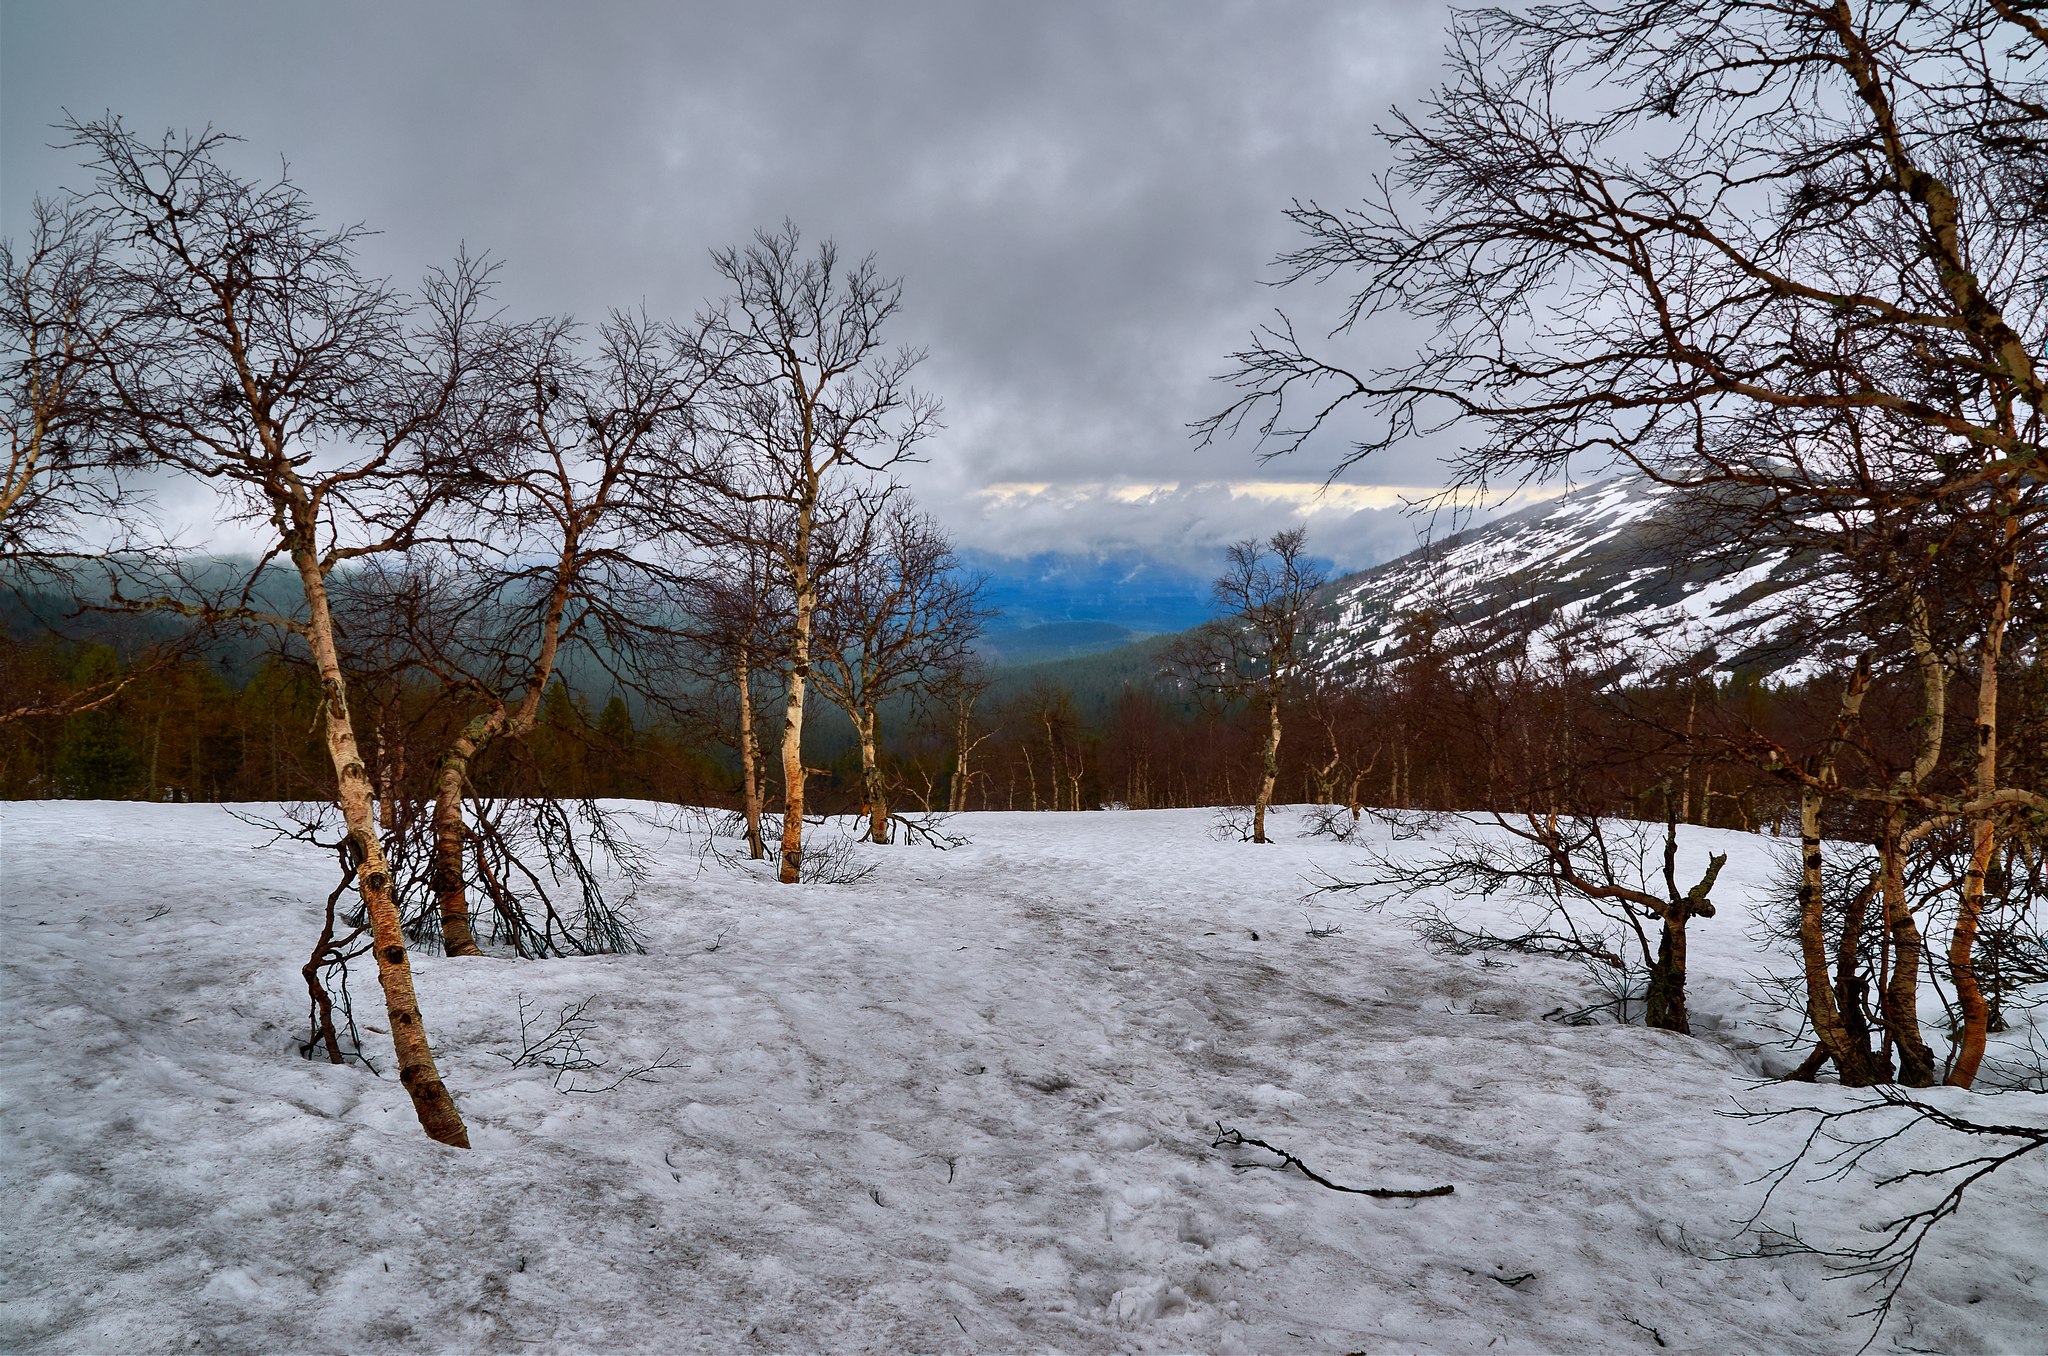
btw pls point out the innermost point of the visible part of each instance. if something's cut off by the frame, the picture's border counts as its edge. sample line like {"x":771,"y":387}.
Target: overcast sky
{"x":1082,"y":199}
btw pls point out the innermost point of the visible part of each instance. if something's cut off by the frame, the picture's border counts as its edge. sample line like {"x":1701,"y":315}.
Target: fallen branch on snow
{"x":1227,"y":1138}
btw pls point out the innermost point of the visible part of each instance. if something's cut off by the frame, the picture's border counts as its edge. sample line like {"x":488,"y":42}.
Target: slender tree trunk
{"x":750,"y":757}
{"x":1853,"y":1061}
{"x":417,"y":1071}
{"x":1901,"y":997}
{"x":451,"y":889}
{"x":1052,"y":759}
{"x":793,"y":732}
{"x":871,"y":777}
{"x":956,"y":795}
{"x":1962,"y":947}
{"x":1692,"y":706}
{"x":387,"y":788}
{"x":1269,"y":767}
{"x":1851,"y":989}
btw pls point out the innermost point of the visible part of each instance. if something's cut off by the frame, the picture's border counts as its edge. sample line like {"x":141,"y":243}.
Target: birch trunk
{"x":1853,"y":1060}
{"x":1269,"y":766}
{"x":1900,"y":1000}
{"x":1962,"y":947}
{"x":871,"y":777}
{"x":750,"y":756}
{"x":417,"y":1071}
{"x":1813,"y":950}
{"x":451,"y":837}
{"x":387,"y":790}
{"x":956,"y":795}
{"x":1851,"y":991}
{"x":793,"y":731}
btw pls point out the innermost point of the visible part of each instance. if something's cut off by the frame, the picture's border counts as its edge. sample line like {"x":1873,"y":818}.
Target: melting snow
{"x":965,"y":1105}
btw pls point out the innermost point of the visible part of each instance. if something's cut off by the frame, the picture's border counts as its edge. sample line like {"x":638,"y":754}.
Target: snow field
{"x":967,"y":1104}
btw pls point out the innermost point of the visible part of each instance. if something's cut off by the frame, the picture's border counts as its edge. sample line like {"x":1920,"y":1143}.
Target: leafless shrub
{"x":1232,"y":824}
{"x":326,"y":969}
{"x":1329,"y":821}
{"x":559,"y":876}
{"x":564,"y":1044}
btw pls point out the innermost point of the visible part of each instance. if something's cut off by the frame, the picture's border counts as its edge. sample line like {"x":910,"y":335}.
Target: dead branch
{"x":1228,"y":1138}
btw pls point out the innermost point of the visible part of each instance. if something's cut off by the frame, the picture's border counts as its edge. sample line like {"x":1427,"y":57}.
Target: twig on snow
{"x":1227,"y":1138}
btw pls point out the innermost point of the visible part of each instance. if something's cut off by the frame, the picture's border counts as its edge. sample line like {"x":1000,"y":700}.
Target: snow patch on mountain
{"x":1603,"y":572}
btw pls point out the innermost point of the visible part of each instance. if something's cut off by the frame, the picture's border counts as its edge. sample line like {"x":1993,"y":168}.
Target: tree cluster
{"x":454,"y":507}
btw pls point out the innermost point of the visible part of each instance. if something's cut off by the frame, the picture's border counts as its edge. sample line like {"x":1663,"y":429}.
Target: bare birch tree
{"x":955,"y":692}
{"x":59,"y":315}
{"x":64,"y":482}
{"x":898,"y":613}
{"x":325,"y":406}
{"x":810,"y":401}
{"x":543,"y":537}
{"x":1781,"y":258}
{"x":1254,"y":650}
{"x":735,"y":629}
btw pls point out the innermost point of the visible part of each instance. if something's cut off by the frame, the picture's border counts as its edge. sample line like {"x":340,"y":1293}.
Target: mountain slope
{"x":1608,"y":572}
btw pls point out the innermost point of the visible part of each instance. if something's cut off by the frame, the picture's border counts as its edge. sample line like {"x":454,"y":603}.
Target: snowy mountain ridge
{"x":1604,"y":573}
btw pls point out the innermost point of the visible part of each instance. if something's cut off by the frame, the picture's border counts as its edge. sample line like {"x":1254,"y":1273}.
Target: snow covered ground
{"x":968,"y":1104}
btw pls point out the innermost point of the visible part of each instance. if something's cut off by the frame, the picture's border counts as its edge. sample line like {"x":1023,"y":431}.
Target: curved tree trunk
{"x":1900,"y":1000}
{"x":417,"y":1070}
{"x":1852,"y":991}
{"x":1829,"y":1028}
{"x":1962,"y":947}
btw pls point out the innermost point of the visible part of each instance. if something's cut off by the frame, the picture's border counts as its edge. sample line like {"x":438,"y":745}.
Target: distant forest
{"x":1433,"y":729}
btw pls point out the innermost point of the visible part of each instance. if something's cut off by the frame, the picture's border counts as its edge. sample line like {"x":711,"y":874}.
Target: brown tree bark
{"x":1830,"y":1029}
{"x":1664,"y":1000}
{"x":1852,"y":1059}
{"x":1851,"y":989}
{"x":451,"y":780}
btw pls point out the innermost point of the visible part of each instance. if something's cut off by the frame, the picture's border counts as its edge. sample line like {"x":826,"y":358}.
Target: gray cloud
{"x":1082,"y":198}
